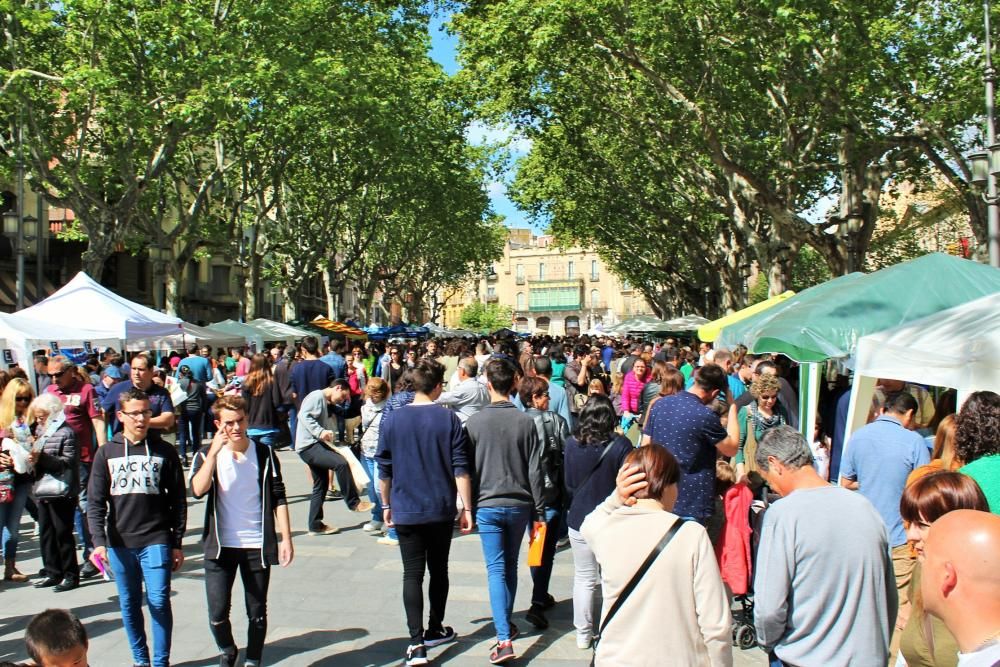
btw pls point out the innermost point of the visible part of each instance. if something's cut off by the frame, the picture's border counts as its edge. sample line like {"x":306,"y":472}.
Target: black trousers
{"x":55,"y":527}
{"x":220,"y":574}
{"x":424,"y":546}
{"x":321,"y":460}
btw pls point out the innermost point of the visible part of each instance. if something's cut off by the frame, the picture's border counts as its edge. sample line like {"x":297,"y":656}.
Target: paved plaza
{"x":339,"y":603}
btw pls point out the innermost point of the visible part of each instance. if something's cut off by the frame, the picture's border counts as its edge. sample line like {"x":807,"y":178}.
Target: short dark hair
{"x":500,"y":373}
{"x":529,"y":388}
{"x":660,"y":466}
{"x":900,"y":402}
{"x":131,"y":394}
{"x":310,"y":344}
{"x":711,"y":377}
{"x":142,"y":357}
{"x":336,"y":345}
{"x":427,"y":375}
{"x":764,"y":365}
{"x":340,"y":382}
{"x":542,"y":366}
{"x":52,"y":632}
{"x":977,"y":425}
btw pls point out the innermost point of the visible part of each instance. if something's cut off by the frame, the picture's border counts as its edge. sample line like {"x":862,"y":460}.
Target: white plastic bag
{"x":19,"y":454}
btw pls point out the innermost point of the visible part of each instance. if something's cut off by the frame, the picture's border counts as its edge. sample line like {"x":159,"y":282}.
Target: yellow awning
{"x":710,"y":331}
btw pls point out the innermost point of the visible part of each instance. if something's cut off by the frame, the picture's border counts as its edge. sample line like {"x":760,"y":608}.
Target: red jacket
{"x":733,"y":547}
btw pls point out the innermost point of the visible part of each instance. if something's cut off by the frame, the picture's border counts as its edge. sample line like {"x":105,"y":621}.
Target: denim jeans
{"x":541,"y":575}
{"x":773,"y":660}
{"x":188,"y":432}
{"x":373,"y":493}
{"x":150,"y":566}
{"x":265,"y":439}
{"x":10,"y":519}
{"x":80,"y":516}
{"x":501,"y":530}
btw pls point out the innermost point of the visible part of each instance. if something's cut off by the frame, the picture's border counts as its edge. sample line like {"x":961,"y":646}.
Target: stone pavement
{"x":339,"y":603}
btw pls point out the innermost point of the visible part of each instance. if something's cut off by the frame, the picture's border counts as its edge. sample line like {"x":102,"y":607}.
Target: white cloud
{"x":496,"y":189}
{"x":480,"y":133}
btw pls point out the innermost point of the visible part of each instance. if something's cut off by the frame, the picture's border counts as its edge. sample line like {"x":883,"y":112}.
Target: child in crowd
{"x":595,"y":387}
{"x":56,"y":638}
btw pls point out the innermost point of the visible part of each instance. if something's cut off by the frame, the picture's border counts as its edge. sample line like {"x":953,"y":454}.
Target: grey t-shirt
{"x":825,"y":593}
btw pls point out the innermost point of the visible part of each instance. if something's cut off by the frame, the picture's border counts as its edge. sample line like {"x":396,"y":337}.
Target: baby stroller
{"x":744,"y":631}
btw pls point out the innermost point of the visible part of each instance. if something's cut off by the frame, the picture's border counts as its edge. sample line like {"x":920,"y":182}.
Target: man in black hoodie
{"x":246,"y":503}
{"x":137,"y":480}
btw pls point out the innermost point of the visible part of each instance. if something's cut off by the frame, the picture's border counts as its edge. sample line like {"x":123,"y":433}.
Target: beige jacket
{"x":679,"y":613}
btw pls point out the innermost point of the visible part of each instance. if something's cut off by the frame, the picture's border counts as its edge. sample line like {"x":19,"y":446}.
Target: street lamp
{"x":15,"y":224}
{"x":708,"y":293}
{"x":986,"y":164}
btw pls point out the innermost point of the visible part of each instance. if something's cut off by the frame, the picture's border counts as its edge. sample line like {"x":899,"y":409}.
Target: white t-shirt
{"x":238,"y":501}
{"x":988,"y":656}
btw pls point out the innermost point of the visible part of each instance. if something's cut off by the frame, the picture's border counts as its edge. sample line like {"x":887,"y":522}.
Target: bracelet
{"x":385,"y":507}
{"x":467,"y":510}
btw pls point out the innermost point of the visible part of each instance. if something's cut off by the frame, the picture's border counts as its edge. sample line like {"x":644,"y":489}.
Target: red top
{"x":80,"y":406}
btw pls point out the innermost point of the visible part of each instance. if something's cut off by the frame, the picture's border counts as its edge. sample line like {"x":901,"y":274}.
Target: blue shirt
{"x":736,"y":387}
{"x":159,"y":402}
{"x":607,"y":354}
{"x":558,"y":402}
{"x":201,"y":370}
{"x":308,"y":376}
{"x":422,"y":448}
{"x":336,"y":362}
{"x":880,"y":456}
{"x":689,"y":431}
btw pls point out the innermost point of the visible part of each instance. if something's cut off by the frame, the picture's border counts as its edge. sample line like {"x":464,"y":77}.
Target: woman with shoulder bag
{"x":591,"y":459}
{"x":755,"y":420}
{"x":663,"y":594}
{"x":552,"y":433}
{"x":263,"y":399}
{"x":56,"y":460}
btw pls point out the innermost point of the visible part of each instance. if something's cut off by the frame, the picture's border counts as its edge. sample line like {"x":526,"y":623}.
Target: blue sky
{"x":443,"y":50}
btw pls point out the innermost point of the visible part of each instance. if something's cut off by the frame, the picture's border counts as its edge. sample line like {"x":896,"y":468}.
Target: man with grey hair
{"x":824,"y":587}
{"x":468,"y":396}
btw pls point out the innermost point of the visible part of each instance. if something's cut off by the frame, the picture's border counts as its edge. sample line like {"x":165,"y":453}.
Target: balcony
{"x":519,"y":280}
{"x":595,"y":277}
{"x":492,"y":298}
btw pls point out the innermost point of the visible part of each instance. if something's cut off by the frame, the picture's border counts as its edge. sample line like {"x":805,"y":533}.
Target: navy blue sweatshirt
{"x":579,"y":461}
{"x":421,"y":448}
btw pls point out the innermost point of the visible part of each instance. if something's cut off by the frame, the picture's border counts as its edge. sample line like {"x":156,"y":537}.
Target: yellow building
{"x":561,"y":291}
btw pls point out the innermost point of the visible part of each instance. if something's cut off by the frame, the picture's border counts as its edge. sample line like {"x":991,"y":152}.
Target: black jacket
{"x":59,"y":453}
{"x":552,"y":433}
{"x":272,"y":495}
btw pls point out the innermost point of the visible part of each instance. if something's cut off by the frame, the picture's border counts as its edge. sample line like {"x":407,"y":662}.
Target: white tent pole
{"x":862,"y":391}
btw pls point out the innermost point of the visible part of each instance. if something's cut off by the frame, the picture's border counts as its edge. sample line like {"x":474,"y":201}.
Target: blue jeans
{"x":265,"y":439}
{"x":10,"y":519}
{"x":189,"y":432}
{"x":373,"y":493}
{"x":541,"y":575}
{"x":501,"y":530}
{"x":80,"y":516}
{"x":132,"y":568}
{"x":773,"y":660}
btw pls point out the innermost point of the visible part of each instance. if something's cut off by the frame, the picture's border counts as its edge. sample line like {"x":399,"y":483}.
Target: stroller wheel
{"x":746,"y":637}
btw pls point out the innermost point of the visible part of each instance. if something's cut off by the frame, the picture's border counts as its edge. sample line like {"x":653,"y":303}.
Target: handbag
{"x":630,"y":586}
{"x":51,"y":486}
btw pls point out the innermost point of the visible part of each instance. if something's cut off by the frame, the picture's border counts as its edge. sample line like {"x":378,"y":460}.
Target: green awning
{"x":827,"y":320}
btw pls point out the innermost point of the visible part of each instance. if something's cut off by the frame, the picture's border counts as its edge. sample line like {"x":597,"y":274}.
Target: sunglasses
{"x":57,"y":375}
{"x":23,"y":399}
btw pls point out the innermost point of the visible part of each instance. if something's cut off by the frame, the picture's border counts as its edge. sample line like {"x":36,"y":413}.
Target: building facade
{"x":551,"y":289}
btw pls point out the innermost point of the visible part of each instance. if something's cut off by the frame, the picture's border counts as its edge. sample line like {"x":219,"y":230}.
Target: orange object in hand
{"x":536,"y":545}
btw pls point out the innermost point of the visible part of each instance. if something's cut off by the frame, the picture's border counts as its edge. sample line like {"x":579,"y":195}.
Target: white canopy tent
{"x":250,"y":335}
{"x":278,"y":331}
{"x":84,"y":301}
{"x":957,"y":348}
{"x":21,"y":335}
{"x":190,"y":334}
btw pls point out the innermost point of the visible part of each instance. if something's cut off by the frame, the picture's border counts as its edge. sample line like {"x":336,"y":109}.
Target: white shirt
{"x":238,"y":502}
{"x":988,"y":656}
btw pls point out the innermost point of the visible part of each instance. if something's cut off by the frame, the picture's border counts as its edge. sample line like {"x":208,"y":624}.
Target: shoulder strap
{"x":597,"y":465}
{"x":661,"y":545}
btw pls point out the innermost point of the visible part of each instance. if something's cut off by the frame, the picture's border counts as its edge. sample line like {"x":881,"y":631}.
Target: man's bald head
{"x":961,"y":574}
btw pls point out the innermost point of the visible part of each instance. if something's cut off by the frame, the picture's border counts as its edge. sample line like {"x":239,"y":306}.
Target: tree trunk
{"x":172,"y":291}
{"x":291,"y":305}
{"x":253,"y":282}
{"x":333,"y":289}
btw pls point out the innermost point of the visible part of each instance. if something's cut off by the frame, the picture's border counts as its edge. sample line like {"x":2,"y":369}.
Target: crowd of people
{"x":879,"y":549}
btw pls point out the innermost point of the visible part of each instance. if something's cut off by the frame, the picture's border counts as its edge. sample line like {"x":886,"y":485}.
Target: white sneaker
{"x":373,"y":527}
{"x":391,"y":541}
{"x":583,"y":643}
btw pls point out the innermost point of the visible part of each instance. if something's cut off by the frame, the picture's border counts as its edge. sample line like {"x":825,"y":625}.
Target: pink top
{"x":243,"y":366}
{"x":631,"y":392}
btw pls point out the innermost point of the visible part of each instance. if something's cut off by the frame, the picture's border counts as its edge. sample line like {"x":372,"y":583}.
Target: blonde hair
{"x":764,"y":382}
{"x":595,"y":384}
{"x":617,"y":378}
{"x":7,"y":406}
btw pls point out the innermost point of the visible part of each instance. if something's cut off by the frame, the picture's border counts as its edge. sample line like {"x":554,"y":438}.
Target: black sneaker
{"x":48,"y":582}
{"x":416,"y":655}
{"x":66,"y":584}
{"x":549,"y":601}
{"x":228,"y":658}
{"x":502,"y":652}
{"x":536,"y":616}
{"x":89,"y":570}
{"x":334,"y":495}
{"x":434,"y":638}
